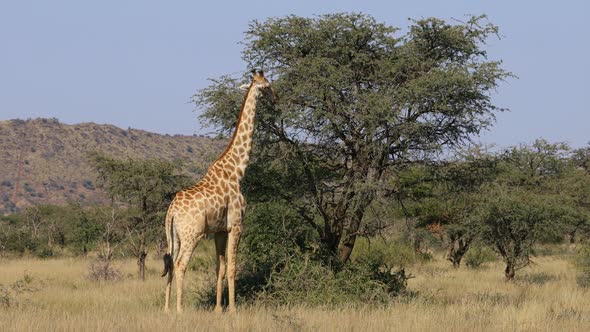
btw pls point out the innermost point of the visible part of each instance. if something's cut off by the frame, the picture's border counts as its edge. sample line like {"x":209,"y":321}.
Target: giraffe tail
{"x":168,"y":261}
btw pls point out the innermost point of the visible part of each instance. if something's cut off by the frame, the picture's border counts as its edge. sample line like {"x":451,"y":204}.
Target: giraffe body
{"x":215,"y":205}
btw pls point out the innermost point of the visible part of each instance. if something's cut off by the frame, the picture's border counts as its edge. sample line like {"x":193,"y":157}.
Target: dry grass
{"x":544,"y":298}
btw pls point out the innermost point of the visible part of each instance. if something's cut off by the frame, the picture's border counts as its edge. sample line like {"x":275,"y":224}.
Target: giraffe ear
{"x":244,"y":87}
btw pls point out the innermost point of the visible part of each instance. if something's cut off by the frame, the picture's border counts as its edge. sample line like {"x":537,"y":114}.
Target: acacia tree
{"x":459,"y":194}
{"x":147,"y":186}
{"x":514,"y":220}
{"x":355,"y":101}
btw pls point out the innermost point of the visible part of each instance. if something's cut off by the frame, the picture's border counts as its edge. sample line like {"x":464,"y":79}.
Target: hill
{"x":44,"y":161}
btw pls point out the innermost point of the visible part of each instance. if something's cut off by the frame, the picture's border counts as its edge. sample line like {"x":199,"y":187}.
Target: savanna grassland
{"x":56,"y":295}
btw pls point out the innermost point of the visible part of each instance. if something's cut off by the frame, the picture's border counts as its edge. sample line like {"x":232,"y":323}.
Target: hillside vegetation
{"x":44,"y":161}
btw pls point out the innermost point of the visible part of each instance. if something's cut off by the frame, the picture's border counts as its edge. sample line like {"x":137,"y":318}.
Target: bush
{"x":478,"y":256}
{"x":101,"y":270}
{"x":43,"y":251}
{"x":88,"y":185}
{"x":281,"y":264}
{"x":392,"y":253}
{"x":582,"y":263}
{"x":305,"y":281}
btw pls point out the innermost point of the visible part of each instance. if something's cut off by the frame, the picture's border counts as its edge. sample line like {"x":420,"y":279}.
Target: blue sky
{"x":137,"y":63}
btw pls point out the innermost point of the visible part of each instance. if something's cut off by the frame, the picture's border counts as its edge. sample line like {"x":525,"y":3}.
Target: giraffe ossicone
{"x":214,"y":205}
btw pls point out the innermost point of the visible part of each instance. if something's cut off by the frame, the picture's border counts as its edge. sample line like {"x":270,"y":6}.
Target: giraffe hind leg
{"x":184,"y":256}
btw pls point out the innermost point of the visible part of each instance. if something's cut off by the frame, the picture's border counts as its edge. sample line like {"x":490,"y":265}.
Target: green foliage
{"x":477,"y":256}
{"x":85,"y":232}
{"x":530,"y":164}
{"x":392,"y":253}
{"x":48,"y":230}
{"x":148,"y":187}
{"x":282,"y":264}
{"x":514,"y":221}
{"x":355,"y":102}
{"x":304,"y":281}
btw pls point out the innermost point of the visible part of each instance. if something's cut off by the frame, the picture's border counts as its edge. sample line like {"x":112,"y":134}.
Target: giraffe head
{"x":259,"y":81}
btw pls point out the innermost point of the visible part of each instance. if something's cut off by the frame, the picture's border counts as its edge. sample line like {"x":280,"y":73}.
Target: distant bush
{"x":88,"y":185}
{"x":43,"y":251}
{"x":582,"y":263}
{"x":28,"y":188}
{"x":393,"y":253}
{"x":101,"y":270}
{"x":477,"y":256}
{"x":17,"y":240}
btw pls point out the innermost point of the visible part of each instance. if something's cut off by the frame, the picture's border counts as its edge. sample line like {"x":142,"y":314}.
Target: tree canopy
{"x":356,"y":102}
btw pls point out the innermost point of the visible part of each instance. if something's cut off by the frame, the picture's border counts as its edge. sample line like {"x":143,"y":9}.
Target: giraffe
{"x":214,"y":205}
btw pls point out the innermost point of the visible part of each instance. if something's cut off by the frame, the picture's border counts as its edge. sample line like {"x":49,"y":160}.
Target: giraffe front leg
{"x":233,"y":241}
{"x":220,"y":247}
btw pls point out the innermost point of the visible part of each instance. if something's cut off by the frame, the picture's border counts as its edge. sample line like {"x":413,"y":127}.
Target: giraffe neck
{"x":237,"y":153}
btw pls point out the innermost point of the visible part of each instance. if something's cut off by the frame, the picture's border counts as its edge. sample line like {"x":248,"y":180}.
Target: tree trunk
{"x":509,"y":272}
{"x":346,"y":249}
{"x":141,"y":264}
{"x":353,"y":231}
{"x":457,"y":250}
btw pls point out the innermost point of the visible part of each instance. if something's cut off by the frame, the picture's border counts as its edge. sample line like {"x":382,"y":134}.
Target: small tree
{"x":443,"y":197}
{"x":514,"y":220}
{"x":84,"y":231}
{"x":461,"y":182}
{"x":147,"y":186}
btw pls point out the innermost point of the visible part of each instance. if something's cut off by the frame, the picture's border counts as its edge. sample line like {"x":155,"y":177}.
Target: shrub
{"x":43,"y":251}
{"x":305,"y":281}
{"x":280,"y":265}
{"x":101,"y":270}
{"x":392,"y":253}
{"x":88,"y":185}
{"x":478,"y":256}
